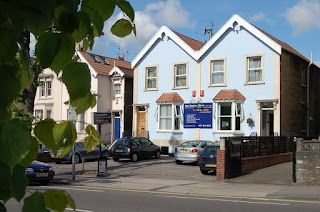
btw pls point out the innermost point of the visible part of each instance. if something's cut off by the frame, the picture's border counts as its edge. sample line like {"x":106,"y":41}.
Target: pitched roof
{"x":194,"y":44}
{"x":229,"y":95}
{"x":169,"y":97}
{"x":103,"y":65}
{"x":284,"y":45}
{"x":197,"y":49}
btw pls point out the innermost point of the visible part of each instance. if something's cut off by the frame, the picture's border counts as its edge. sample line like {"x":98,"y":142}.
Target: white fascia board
{"x":115,"y":69}
{"x":241,"y":22}
{"x":158,"y":35}
{"x":93,"y":72}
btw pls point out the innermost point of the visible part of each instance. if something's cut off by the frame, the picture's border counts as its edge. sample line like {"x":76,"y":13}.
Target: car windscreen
{"x":124,"y":142}
{"x":210,"y":149}
{"x":190,"y":144}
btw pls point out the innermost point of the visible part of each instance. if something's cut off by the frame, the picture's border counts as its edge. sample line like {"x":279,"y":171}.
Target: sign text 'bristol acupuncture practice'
{"x":197,"y":115}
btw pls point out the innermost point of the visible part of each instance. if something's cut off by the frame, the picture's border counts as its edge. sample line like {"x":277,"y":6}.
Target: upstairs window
{"x":117,"y":89}
{"x":217,"y":75}
{"x":180,"y":75}
{"x":82,"y":122}
{"x":45,"y":87}
{"x":151,"y":78}
{"x":254,"y":69}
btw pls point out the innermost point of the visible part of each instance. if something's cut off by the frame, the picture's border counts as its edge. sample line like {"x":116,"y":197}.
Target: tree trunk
{"x":30,"y":92}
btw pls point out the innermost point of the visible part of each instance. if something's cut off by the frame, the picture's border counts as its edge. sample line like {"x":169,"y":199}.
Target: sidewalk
{"x":190,"y":187}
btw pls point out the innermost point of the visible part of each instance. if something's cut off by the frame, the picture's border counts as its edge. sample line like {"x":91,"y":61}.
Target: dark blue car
{"x":208,"y":159}
{"x":39,"y":172}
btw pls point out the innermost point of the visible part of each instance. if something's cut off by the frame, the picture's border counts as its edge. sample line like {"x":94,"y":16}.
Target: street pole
{"x":99,"y":130}
{"x":73,"y":164}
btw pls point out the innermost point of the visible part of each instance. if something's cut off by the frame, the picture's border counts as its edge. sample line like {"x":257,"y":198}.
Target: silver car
{"x":190,"y":151}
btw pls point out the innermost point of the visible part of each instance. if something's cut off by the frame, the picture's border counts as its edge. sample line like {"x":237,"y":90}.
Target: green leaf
{"x":126,"y":7}
{"x":121,"y":28}
{"x":44,"y":132}
{"x":34,"y":14}
{"x":93,"y":138}
{"x":14,"y":142}
{"x":84,"y":26}
{"x":56,"y":200}
{"x":9,"y":79}
{"x":103,"y":7}
{"x":77,"y":78}
{"x":65,"y":135}
{"x":35,"y":202}
{"x":5,"y":176}
{"x":32,"y":154}
{"x":68,"y":21}
{"x":82,"y":104}
{"x":18,"y":182}
{"x":71,"y":202}
{"x":12,"y":184}
{"x":55,"y":50}
{"x":9,"y":45}
{"x":26,"y":76}
{"x":2,"y":208}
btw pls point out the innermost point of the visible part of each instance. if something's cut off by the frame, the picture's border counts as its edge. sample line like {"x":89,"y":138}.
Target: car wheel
{"x":157,"y":155}
{"x":106,"y":155}
{"x":115,"y":159}
{"x":77,"y":158}
{"x":204,"y":172}
{"x":134,"y":157}
{"x":179,"y":162}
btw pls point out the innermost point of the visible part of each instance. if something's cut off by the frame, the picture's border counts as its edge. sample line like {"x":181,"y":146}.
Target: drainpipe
{"x":308,"y":97}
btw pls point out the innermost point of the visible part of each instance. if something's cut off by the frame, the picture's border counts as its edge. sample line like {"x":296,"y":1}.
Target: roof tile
{"x":228,"y":95}
{"x":170,"y":97}
{"x":194,"y":44}
{"x":104,"y":68}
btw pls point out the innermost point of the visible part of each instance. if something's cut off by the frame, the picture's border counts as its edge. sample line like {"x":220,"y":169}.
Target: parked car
{"x":208,"y":159}
{"x":190,"y":151}
{"x":39,"y":172}
{"x":134,"y":148}
{"x":81,"y":153}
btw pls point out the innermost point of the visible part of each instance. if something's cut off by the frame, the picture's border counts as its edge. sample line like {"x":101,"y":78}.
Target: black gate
{"x":233,"y":158}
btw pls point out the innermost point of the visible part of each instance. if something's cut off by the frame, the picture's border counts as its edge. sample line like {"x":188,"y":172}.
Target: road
{"x":90,"y":199}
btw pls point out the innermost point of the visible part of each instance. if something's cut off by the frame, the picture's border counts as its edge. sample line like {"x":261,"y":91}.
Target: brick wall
{"x":254,"y":163}
{"x":221,"y":165}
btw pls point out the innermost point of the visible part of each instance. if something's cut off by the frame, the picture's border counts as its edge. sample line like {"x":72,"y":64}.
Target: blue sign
{"x":197,"y":115}
{"x":101,"y":118}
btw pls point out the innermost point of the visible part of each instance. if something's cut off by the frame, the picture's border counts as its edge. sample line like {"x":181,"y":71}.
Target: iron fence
{"x":253,"y":146}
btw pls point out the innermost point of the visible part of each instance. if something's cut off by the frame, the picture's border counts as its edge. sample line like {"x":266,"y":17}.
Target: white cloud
{"x":169,"y":13}
{"x":304,"y":16}
{"x":260,"y":17}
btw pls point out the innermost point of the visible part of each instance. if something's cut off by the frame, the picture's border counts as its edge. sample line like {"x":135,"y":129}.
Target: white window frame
{"x":82,"y":120}
{"x":176,"y":126}
{"x":147,"y":78}
{"x":38,"y":114}
{"x":175,"y":75}
{"x":45,"y":88}
{"x":116,"y":91}
{"x":236,"y":112}
{"x":49,"y":111}
{"x":248,"y":69}
{"x":212,"y":71}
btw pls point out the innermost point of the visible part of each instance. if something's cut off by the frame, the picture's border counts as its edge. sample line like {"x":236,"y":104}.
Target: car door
{"x":81,"y":149}
{"x":148,"y":150}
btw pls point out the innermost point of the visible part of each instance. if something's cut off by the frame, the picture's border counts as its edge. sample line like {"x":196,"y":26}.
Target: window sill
{"x":170,"y":131}
{"x":254,"y":83}
{"x":178,"y":88}
{"x":217,"y":85}
{"x":228,"y":132}
{"x":151,"y":89}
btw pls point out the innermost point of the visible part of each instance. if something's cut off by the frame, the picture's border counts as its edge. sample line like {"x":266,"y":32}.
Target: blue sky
{"x":296,"y":22}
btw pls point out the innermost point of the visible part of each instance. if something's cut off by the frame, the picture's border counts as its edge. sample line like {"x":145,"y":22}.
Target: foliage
{"x":57,"y":25}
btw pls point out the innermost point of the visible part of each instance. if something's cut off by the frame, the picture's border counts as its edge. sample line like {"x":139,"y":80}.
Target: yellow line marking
{"x":203,"y":195}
